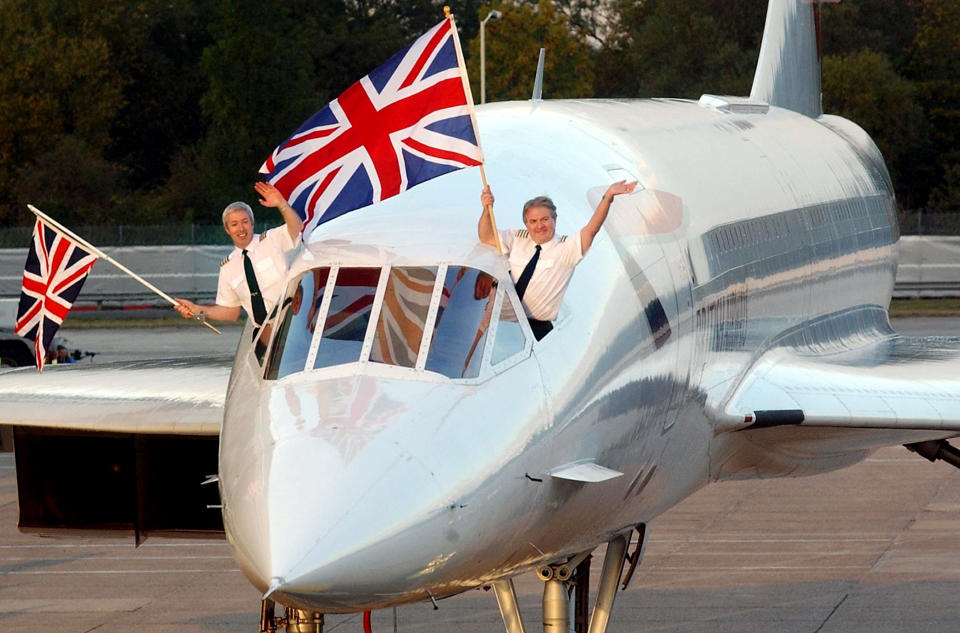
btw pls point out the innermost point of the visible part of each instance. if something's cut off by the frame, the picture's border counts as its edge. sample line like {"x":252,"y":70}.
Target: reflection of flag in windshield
{"x":403,"y":316}
{"x":351,"y":303}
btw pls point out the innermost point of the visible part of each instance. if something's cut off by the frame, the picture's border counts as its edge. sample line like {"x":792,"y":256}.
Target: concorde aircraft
{"x":398,"y":435}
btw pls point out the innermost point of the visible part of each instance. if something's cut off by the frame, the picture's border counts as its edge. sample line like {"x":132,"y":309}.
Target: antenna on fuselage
{"x":538,"y":82}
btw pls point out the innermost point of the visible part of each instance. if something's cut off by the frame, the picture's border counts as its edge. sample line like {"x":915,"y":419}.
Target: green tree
{"x":677,"y":48}
{"x":513,"y":47}
{"x":934,"y":66}
{"x":865,"y":88}
{"x":886,"y":26}
{"x":57,"y":81}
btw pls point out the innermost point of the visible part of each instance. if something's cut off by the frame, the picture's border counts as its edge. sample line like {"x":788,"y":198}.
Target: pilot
{"x":252,"y":275}
{"x":541,"y":262}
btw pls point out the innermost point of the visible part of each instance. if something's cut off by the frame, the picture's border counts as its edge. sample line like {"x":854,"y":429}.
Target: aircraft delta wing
{"x":88,"y":435}
{"x":400,"y":436}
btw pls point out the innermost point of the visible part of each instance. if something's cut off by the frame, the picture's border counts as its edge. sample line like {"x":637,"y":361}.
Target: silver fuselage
{"x":357,"y":487}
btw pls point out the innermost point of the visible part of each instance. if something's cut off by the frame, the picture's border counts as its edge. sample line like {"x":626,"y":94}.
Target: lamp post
{"x":483,"y":53}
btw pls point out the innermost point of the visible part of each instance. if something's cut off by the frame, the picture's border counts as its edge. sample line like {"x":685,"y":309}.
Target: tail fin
{"x":788,"y":71}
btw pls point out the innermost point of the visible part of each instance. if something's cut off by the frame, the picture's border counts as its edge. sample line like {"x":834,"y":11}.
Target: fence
{"x":132,"y":235}
{"x":921,"y":222}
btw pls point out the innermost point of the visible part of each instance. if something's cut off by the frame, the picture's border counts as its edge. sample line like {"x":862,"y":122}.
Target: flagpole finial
{"x":446,"y":11}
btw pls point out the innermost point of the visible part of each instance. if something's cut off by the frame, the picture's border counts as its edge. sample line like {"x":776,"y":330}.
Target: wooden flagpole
{"x":90,"y":247}
{"x":488,"y":209}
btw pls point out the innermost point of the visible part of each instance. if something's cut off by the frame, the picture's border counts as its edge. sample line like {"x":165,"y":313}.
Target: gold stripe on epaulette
{"x":263,"y":236}
{"x":523,"y":233}
{"x":563,"y":238}
{"x":224,"y":260}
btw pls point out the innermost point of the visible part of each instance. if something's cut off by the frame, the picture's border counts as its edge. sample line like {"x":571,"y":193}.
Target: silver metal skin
{"x":182,"y":397}
{"x":728,"y":321}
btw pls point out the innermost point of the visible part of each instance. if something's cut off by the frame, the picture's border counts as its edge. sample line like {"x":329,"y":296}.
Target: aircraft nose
{"x":323,"y":509}
{"x":337,"y":527}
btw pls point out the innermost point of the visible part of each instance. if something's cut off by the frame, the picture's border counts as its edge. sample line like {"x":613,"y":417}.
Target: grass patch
{"x":924,"y":307}
{"x":111,"y":322}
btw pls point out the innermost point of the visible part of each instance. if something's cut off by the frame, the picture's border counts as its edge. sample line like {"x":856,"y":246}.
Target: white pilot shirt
{"x":267,"y":252}
{"x":558,"y":258}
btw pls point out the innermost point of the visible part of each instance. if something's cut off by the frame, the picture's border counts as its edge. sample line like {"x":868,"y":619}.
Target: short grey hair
{"x":540,"y":201}
{"x":237,"y":206}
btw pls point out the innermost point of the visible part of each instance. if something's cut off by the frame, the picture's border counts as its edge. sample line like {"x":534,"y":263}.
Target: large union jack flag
{"x":55,"y":271}
{"x":406,"y":122}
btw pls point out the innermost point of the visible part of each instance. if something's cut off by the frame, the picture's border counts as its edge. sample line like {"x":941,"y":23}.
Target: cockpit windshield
{"x":433,"y":319}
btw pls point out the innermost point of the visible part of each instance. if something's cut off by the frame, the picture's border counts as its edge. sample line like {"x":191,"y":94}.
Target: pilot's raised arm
{"x":252,"y":275}
{"x":541,"y":262}
{"x":485,"y":225}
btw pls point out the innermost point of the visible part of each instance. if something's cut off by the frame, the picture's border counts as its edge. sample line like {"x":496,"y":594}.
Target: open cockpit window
{"x":448,"y":320}
{"x":295,"y":324}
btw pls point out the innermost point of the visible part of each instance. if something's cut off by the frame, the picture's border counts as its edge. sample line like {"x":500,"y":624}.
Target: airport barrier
{"x":183,"y":271}
{"x":929,"y":267}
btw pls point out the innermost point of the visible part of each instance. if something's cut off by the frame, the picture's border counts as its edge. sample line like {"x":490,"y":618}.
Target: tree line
{"x":160,"y":111}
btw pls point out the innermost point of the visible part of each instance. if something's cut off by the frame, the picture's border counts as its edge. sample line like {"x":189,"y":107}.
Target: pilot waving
{"x":542,"y":262}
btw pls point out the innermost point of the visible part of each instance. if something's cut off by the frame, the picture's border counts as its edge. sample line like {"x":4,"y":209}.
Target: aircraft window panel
{"x":347,"y":317}
{"x":460,"y":329}
{"x":403,"y":316}
{"x":508,"y":338}
{"x":291,"y":344}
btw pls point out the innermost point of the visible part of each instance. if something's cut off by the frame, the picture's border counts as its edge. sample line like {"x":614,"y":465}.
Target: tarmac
{"x":875,"y":547}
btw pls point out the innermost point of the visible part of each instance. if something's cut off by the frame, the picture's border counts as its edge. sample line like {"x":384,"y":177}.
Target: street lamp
{"x":483,"y":53}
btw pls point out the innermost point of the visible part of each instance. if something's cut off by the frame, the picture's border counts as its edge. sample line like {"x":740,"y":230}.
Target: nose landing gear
{"x":573,"y":576}
{"x":293,"y":621}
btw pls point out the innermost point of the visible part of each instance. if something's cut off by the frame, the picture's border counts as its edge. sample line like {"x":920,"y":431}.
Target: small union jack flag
{"x":55,"y":271}
{"x":406,"y":122}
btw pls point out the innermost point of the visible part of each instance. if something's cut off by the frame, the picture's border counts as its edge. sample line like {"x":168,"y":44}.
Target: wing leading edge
{"x":890,"y":382}
{"x":176,"y":397}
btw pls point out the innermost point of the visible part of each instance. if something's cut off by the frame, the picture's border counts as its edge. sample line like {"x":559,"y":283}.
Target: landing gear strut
{"x":294,"y":621}
{"x":573,"y":575}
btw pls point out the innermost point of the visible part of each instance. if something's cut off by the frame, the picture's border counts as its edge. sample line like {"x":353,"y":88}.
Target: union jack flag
{"x":406,"y":122}
{"x":55,"y":271}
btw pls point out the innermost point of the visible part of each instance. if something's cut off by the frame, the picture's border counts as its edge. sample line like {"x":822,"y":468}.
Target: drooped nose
{"x":342,"y":514}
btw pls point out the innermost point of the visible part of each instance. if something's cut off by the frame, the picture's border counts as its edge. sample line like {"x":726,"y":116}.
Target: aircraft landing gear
{"x":294,"y":621}
{"x":573,"y":575}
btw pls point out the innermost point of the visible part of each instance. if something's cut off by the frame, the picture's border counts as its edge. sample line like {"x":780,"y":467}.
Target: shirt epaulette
{"x":224,"y":261}
{"x":263,"y":236}
{"x":523,"y":233}
{"x":563,"y":238}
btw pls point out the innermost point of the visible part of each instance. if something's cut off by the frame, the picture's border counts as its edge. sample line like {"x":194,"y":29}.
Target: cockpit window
{"x":338,"y":311}
{"x":463,"y":318}
{"x":347,"y":317}
{"x":403,"y":317}
{"x":295,"y":325}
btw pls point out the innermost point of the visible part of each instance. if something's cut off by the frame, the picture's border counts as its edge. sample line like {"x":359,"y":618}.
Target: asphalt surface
{"x":875,"y":547}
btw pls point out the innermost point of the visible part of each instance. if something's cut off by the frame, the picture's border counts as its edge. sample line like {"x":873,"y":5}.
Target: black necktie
{"x":527,"y":273}
{"x":259,"y":310}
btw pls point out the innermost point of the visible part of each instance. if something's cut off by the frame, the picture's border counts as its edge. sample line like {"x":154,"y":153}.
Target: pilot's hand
{"x":187,"y":309}
{"x":482,"y":286}
{"x":486,"y":197}
{"x":270,"y":196}
{"x":621,"y":186}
